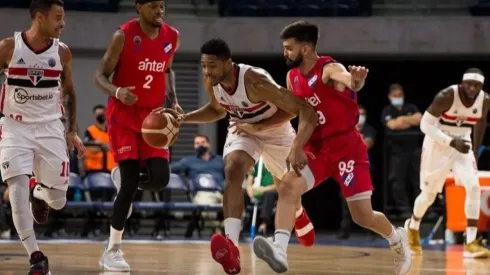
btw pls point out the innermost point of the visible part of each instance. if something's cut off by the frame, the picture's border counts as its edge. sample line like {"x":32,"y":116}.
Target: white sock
{"x":233,"y":226}
{"x":414,"y":225}
{"x":115,"y":238}
{"x":470,"y":234}
{"x":281,"y":238}
{"x":39,"y":192}
{"x":394,"y":237}
{"x":299,"y":212}
{"x":21,"y":213}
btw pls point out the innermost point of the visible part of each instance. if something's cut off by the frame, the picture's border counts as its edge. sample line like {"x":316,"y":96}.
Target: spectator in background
{"x":98,"y":158}
{"x":401,"y":121}
{"x":265,"y":193}
{"x":203,"y":162}
{"x":369,"y":135}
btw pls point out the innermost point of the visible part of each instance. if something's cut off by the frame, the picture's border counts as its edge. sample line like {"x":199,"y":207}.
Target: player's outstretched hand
{"x":126,"y":96}
{"x":296,"y":160}
{"x":177,"y":108}
{"x":178,"y":116}
{"x":461,"y":145}
{"x":358,"y":73}
{"x":74,"y":141}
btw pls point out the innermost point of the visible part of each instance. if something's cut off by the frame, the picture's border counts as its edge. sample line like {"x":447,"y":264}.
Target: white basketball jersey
{"x":31,"y":93}
{"x":459,"y":119}
{"x":237,"y":103}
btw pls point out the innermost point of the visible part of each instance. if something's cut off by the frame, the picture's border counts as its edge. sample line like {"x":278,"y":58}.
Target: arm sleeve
{"x":428,"y":126}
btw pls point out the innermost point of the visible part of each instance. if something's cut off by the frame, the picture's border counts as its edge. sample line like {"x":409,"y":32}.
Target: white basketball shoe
{"x":268,"y":251}
{"x":403,"y":256}
{"x":113,"y":260}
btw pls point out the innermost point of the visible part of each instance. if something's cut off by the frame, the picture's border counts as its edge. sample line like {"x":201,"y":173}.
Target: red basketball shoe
{"x":226,"y":253}
{"x":305,"y":232}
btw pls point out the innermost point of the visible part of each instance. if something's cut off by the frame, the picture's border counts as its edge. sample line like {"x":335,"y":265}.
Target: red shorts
{"x":124,"y":129}
{"x":349,"y":165}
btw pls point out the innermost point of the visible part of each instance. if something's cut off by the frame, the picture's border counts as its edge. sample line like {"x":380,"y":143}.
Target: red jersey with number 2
{"x":335,"y":149}
{"x":142,"y":64}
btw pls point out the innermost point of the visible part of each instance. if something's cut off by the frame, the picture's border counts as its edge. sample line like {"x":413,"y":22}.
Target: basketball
{"x":160,"y":130}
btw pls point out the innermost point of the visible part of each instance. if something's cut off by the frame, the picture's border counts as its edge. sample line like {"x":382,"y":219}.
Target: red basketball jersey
{"x":143,"y":63}
{"x":337,"y":111}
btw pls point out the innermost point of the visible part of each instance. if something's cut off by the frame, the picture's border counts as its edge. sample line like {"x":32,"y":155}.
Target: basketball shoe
{"x":403,"y":256}
{"x":39,"y":208}
{"x":475,"y":250}
{"x":116,"y":179}
{"x":226,"y":253}
{"x":39,"y":264}
{"x":413,"y":239}
{"x":305,"y":232}
{"x":268,"y":251}
{"x":113,"y":260}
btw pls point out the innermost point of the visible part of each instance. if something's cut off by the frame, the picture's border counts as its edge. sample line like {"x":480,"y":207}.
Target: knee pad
{"x":56,"y":199}
{"x":158,"y":175}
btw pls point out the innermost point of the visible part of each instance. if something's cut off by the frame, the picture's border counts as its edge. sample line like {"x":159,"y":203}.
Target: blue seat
{"x":205,"y":182}
{"x":176,"y":183}
{"x":75,"y":181}
{"x":98,"y":180}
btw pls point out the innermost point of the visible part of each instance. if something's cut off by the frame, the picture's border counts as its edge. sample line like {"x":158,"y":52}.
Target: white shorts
{"x":273,"y":144}
{"x":39,"y":148}
{"x":438,"y":161}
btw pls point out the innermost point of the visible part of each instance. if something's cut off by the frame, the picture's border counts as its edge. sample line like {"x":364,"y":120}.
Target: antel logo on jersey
{"x":151,"y":66}
{"x":314,"y":100}
{"x":21,"y":96}
{"x":35,"y":75}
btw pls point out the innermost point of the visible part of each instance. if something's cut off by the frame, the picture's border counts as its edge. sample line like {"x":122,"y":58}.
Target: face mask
{"x":100,"y":119}
{"x":362,"y":120}
{"x":201,"y":150}
{"x":397,"y":101}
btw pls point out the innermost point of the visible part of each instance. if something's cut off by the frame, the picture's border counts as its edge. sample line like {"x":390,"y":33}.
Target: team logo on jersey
{"x":244,"y":104}
{"x":312,"y":81}
{"x":295,"y":80}
{"x":21,"y":61}
{"x":237,"y":110}
{"x":5,"y":165}
{"x":167,"y":47}
{"x":35,"y":75}
{"x":475,"y":111}
{"x":137,"y":43}
{"x":52,"y":62}
{"x":460,"y":120}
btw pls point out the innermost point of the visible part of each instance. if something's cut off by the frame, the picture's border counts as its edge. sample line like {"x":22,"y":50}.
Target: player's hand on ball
{"x":461,"y":145}
{"x":178,"y":116}
{"x":358,"y":73}
{"x":296,"y":160}
{"x":126,"y":96}
{"x":74,"y":141}
{"x":177,"y":108}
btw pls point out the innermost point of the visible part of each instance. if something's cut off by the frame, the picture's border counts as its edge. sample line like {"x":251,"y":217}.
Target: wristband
{"x":117,"y":91}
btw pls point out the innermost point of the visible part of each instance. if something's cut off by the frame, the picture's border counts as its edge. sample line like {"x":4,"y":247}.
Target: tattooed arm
{"x":69,"y":98}
{"x":68,"y":94}
{"x":7,"y":46}
{"x":170,"y":80}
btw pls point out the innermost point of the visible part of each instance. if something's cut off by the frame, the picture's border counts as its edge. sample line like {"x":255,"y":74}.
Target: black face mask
{"x":201,"y":150}
{"x":100,"y":119}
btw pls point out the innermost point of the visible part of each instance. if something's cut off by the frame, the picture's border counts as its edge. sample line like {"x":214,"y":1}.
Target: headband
{"x":474,"y":77}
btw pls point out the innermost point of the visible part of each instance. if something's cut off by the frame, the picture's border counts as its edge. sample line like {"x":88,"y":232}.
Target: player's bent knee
{"x":57,"y":204}
{"x":158,"y":175}
{"x":291,"y":186}
{"x":236,"y":168}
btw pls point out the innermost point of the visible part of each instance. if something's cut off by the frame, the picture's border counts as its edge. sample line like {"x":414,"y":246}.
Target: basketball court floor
{"x":193,"y":257}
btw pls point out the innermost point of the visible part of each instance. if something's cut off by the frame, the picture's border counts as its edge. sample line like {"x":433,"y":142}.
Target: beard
{"x":294,"y":63}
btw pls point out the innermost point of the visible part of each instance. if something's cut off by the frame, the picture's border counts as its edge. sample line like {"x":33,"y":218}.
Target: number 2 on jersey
{"x":148,"y":79}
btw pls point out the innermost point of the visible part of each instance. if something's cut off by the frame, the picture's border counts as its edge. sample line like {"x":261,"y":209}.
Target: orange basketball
{"x":160,"y":130}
